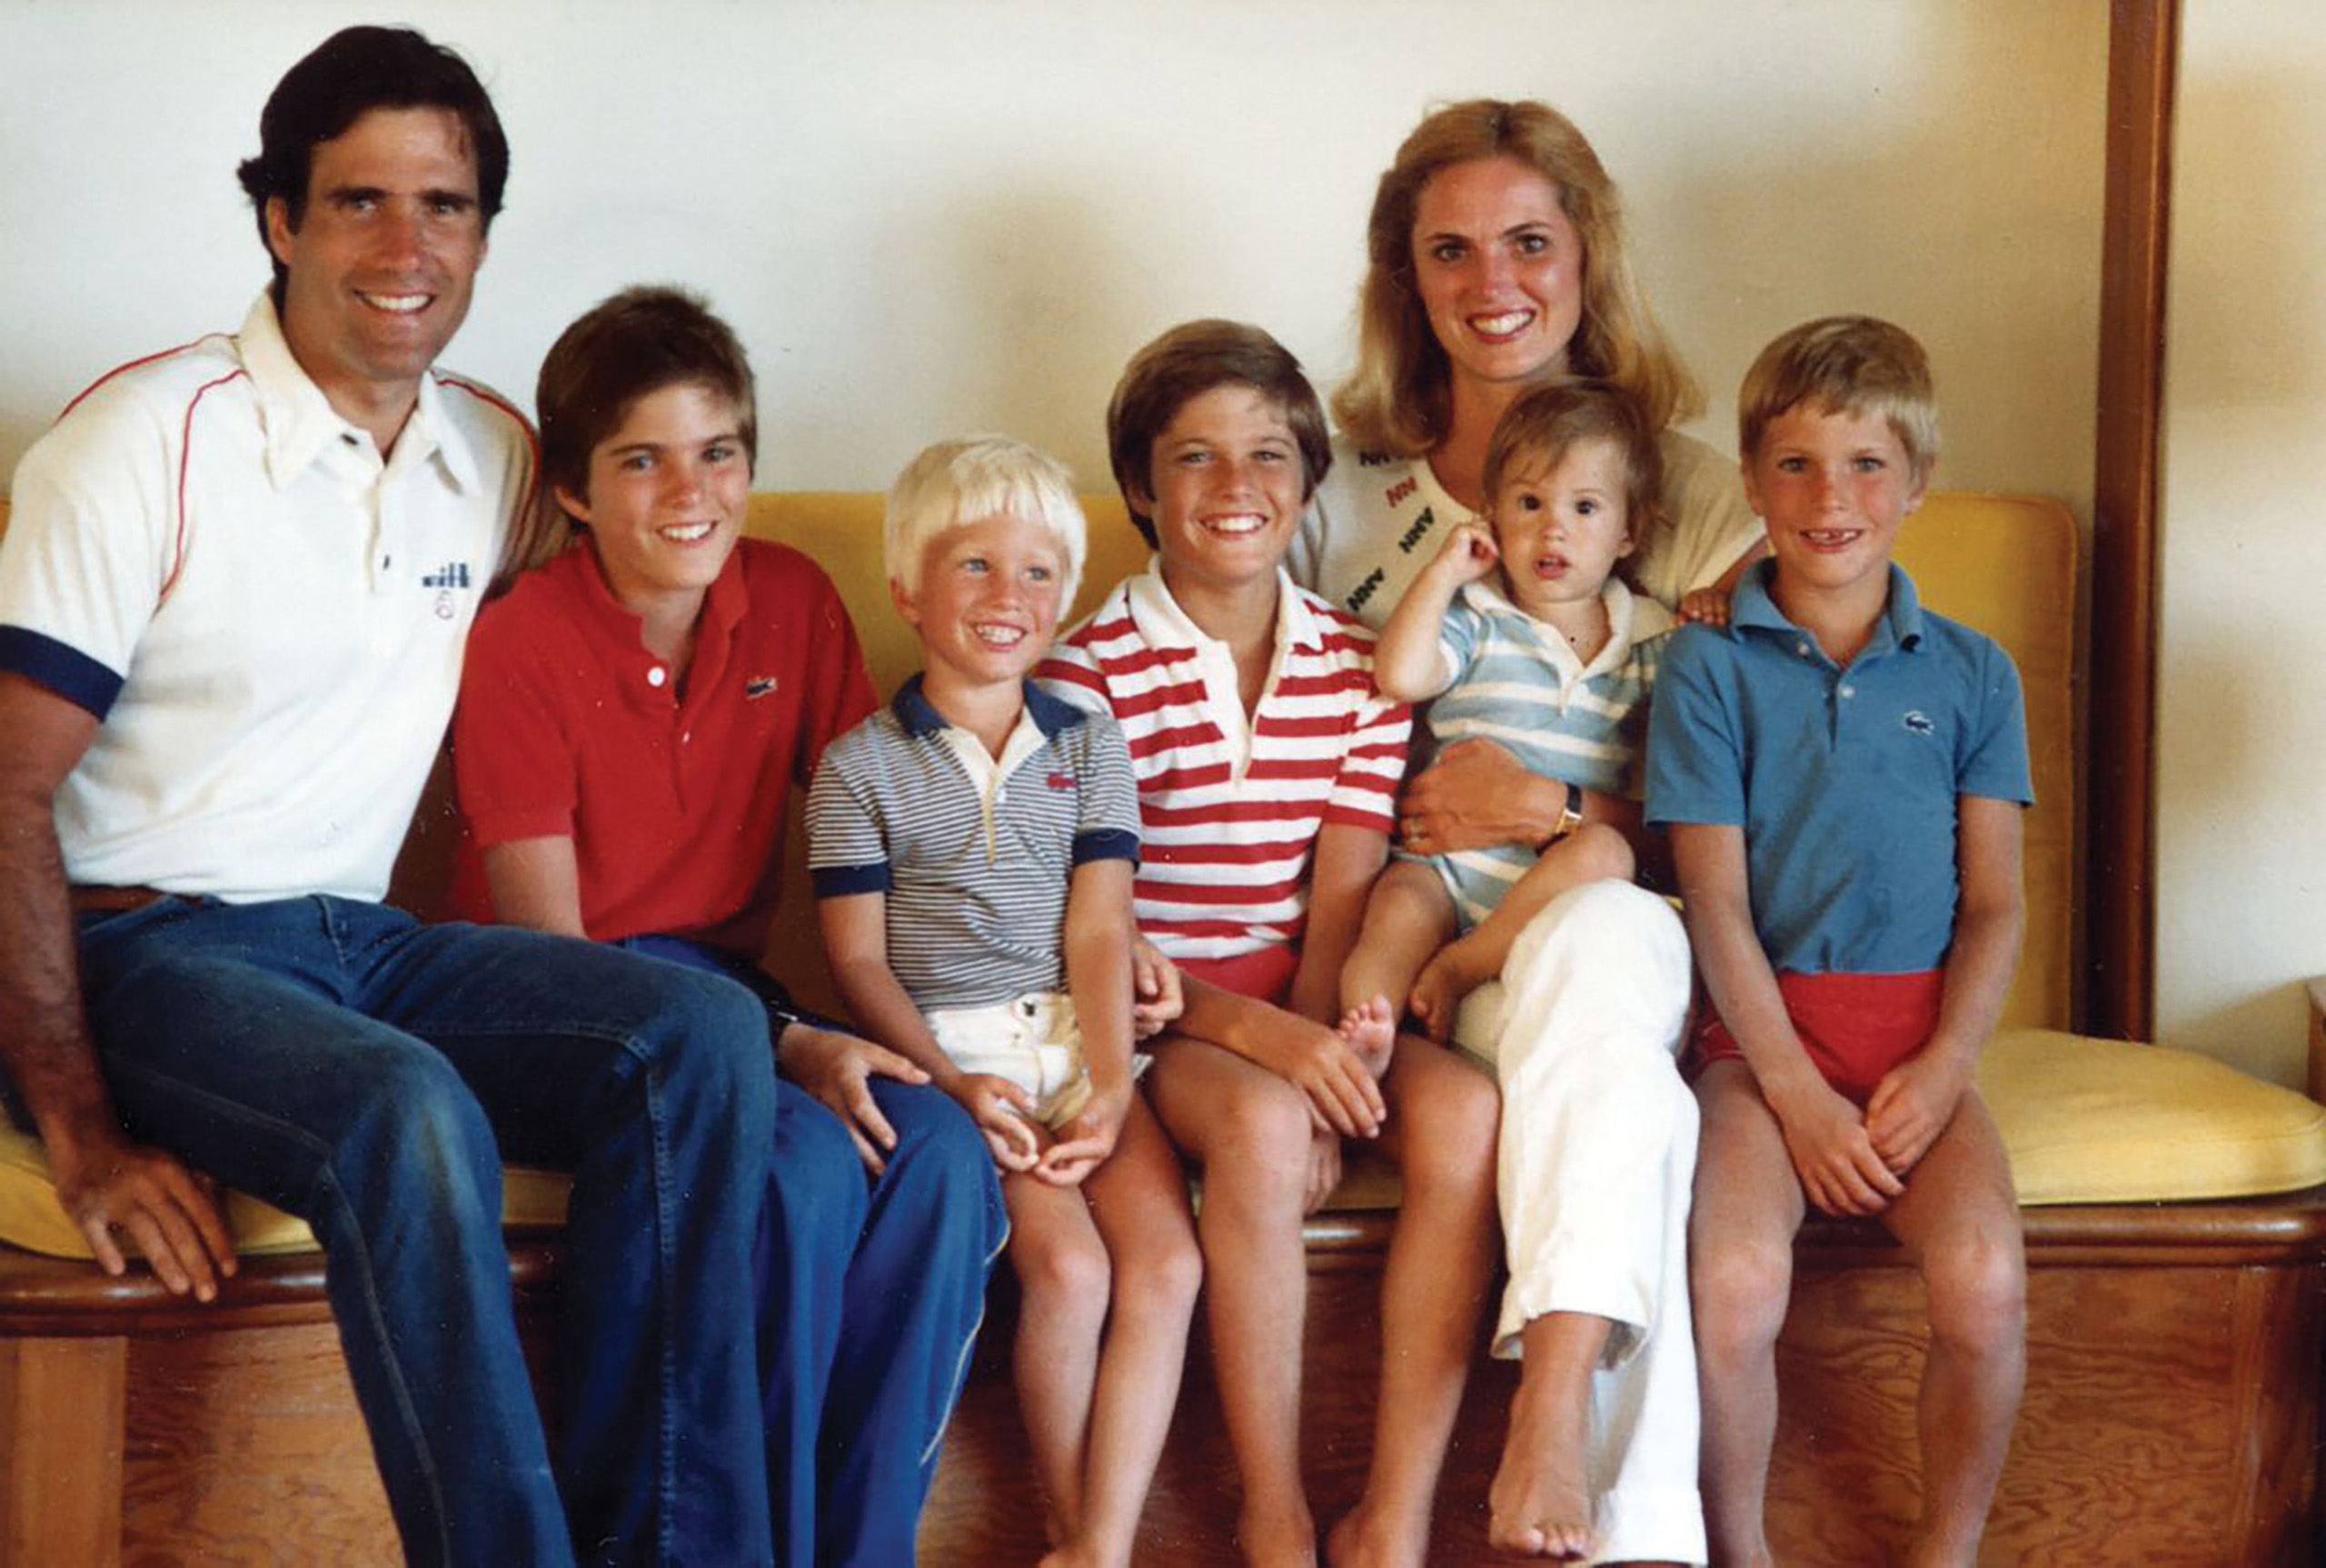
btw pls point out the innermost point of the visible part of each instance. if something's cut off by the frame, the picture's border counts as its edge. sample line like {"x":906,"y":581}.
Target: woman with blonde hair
{"x":1497,"y":263}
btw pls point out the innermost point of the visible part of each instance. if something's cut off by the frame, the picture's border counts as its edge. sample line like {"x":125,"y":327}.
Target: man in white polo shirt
{"x":232,"y":608}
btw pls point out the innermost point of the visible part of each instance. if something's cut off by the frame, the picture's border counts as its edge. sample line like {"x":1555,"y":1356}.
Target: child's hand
{"x":1911,"y":1105}
{"x":837,"y":1070}
{"x":1826,"y":1140}
{"x":1705,"y":607}
{"x":1342,"y":1096}
{"x":1468,"y":555}
{"x":1324,"y":1170}
{"x":1155,"y":996}
{"x":1085,"y":1142}
{"x":1000,"y":1110}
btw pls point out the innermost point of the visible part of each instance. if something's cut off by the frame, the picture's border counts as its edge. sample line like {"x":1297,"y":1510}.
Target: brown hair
{"x":1183,"y":364}
{"x":1548,"y":421}
{"x":1858,"y":365}
{"x":1398,"y":401}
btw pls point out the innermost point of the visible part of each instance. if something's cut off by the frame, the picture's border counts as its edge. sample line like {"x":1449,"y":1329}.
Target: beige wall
{"x":2242,"y":786}
{"x":928,"y":217}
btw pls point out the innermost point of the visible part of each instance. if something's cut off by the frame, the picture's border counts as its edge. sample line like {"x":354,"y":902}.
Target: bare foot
{"x":1363,"y":1539}
{"x":1370,"y":1029}
{"x":1539,"y":1504}
{"x":1451,"y":974}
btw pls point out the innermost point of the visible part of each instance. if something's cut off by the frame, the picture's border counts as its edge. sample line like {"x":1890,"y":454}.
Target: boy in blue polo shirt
{"x":972,"y":845}
{"x":1842,"y":772}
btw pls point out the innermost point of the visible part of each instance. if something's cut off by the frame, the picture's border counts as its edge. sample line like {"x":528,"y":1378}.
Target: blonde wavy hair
{"x":1398,"y":400}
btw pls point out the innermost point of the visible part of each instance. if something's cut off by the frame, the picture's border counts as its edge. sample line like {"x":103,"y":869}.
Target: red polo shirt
{"x":568,"y":727}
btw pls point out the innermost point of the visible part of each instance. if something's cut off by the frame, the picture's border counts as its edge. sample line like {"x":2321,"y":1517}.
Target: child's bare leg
{"x":1441,"y":1132}
{"x":1540,"y":1503}
{"x":1139,"y":1199}
{"x":1249,"y":1129}
{"x":1592,"y":853}
{"x":1748,"y":1206}
{"x":1408,"y":916}
{"x":1960,"y":1218}
{"x":1062,"y":1275}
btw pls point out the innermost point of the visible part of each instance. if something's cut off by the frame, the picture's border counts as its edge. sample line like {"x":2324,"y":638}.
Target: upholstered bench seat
{"x":2086,"y":1121}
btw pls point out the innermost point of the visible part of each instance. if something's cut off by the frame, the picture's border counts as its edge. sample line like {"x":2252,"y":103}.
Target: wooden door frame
{"x":2120,"y":844}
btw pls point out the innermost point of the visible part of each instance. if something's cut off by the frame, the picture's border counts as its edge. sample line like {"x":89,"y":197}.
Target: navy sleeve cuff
{"x":61,"y":667}
{"x":840,"y":881}
{"x":1105,"y":844}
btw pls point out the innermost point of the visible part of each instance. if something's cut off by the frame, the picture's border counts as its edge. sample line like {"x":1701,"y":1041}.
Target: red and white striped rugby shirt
{"x":1229,"y":810}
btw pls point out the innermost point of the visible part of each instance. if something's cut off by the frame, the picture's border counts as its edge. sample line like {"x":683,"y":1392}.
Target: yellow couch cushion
{"x":2102,"y":1121}
{"x":31,"y":1217}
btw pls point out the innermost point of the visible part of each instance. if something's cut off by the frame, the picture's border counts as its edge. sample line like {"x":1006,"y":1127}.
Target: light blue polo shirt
{"x":1845,"y":780}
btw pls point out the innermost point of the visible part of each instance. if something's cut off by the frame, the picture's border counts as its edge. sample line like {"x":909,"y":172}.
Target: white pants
{"x":1597,"y":1156}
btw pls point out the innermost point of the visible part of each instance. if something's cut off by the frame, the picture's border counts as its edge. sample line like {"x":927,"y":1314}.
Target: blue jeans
{"x":872,"y":1292}
{"x":369,"y":1075}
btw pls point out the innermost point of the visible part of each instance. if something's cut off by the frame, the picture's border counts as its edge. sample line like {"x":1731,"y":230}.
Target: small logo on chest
{"x":757,"y":687}
{"x":452,"y":574}
{"x":1918,"y":722}
{"x":1060,"y":781}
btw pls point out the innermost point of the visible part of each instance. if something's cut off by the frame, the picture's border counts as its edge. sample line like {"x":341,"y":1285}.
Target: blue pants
{"x":369,"y":1075}
{"x":873,"y":1290}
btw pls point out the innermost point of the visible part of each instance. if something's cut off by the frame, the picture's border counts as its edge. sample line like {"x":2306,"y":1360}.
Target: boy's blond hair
{"x":969,"y":480}
{"x":1545,"y":421}
{"x":1399,"y":401}
{"x":1858,"y":365}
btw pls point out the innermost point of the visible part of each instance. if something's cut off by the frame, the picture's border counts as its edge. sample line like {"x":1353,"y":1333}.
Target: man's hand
{"x":114,"y":1189}
{"x":1911,"y":1105}
{"x":1155,"y":998}
{"x":1474,"y":797}
{"x":835,"y":1070}
{"x":1826,"y":1138}
{"x":1085,"y":1142}
{"x":1002,"y":1109}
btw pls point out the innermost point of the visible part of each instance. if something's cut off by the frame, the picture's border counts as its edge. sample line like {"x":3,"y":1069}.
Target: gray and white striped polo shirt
{"x":973,"y":853}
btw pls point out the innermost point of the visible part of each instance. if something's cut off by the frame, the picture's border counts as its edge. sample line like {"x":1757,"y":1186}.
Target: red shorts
{"x":1857,"y":1027}
{"x":1265,"y":976}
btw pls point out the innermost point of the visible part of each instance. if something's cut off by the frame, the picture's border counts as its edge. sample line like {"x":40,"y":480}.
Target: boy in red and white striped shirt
{"x":1267,"y":768}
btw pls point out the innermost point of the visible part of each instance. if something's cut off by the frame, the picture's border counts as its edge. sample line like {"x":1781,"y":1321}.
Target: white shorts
{"x":1031,"y":1040}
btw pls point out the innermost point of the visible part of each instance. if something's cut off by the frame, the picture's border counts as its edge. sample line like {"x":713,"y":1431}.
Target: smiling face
{"x":1228,"y":488}
{"x":667,"y":495}
{"x":1498,"y":266}
{"x":380,"y":266}
{"x":1561,"y":528}
{"x":990,"y":595}
{"x":1833,"y":489}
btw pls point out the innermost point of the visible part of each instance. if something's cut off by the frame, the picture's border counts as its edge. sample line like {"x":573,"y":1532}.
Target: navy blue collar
{"x":1050,"y":714}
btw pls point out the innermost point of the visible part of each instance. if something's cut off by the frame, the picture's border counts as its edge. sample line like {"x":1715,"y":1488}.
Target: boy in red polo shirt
{"x":632,"y":717}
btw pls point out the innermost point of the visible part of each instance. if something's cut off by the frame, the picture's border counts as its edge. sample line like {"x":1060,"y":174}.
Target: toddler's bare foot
{"x":1370,"y":1029}
{"x":1451,"y":974}
{"x":1363,"y":1538}
{"x":1539,"y":1504}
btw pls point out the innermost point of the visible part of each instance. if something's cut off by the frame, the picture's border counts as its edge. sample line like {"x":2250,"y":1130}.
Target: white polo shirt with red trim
{"x":1229,"y":808}
{"x":266,"y":616}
